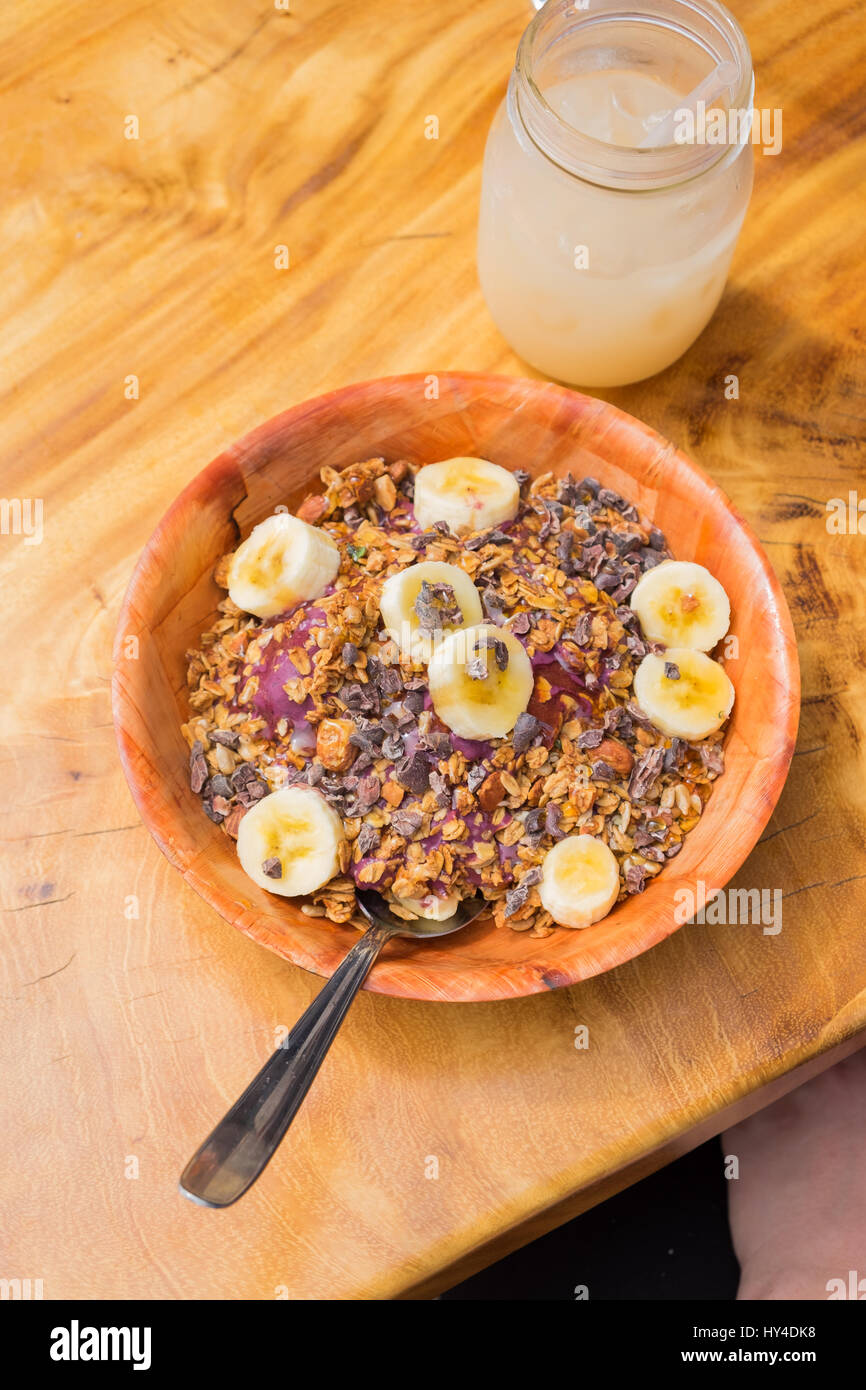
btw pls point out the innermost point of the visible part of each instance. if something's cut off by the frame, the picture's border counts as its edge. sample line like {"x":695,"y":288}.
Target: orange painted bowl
{"x":534,"y":425}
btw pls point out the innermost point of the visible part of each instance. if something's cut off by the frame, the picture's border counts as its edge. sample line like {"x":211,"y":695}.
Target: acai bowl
{"x":322,"y":702}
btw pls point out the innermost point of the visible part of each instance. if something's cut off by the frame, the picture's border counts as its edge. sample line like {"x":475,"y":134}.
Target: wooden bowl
{"x":519,"y":424}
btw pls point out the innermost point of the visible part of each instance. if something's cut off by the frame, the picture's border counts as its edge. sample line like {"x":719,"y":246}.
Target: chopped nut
{"x":491,"y":791}
{"x":620,"y":758}
{"x":333,"y":748}
{"x":393,"y":792}
{"x":224,"y":758}
{"x":233,"y":820}
{"x":397,"y":470}
{"x":465,"y":801}
{"x":312,"y":509}
{"x":385,"y":492}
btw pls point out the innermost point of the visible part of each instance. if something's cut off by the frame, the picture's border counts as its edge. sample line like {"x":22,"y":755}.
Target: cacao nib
{"x":393,"y":747}
{"x":390,"y":682}
{"x":368,"y":791}
{"x":500,"y":652}
{"x":590,"y":738}
{"x":713,"y":757}
{"x":436,"y":607}
{"x":640,"y":718}
{"x":198,"y":768}
{"x":414,"y":701}
{"x":438,"y":741}
{"x":515,"y":899}
{"x":367,"y":734}
{"x":592,"y":559}
{"x":406,"y":823}
{"x":649,"y":558}
{"x":564,"y":548}
{"x":227,"y":737}
{"x":566,"y":490}
{"x":625,"y":588}
{"x":552,"y":817}
{"x":441,"y":790}
{"x":361,"y":699}
{"x":525,"y":730}
{"x":645,"y":772}
{"x":494,"y":605}
{"x":413,"y":773}
{"x":674,"y":755}
{"x":475,"y":776}
{"x":607,"y":582}
{"x":251,"y":792}
{"x":635,"y":878}
{"x":367,"y":840}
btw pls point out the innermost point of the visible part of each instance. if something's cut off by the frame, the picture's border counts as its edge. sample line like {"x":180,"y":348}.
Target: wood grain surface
{"x":125,"y":1036}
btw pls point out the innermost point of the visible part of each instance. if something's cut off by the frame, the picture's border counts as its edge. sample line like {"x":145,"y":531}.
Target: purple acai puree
{"x":274,"y":671}
{"x":473,"y":749}
{"x":553,"y":666}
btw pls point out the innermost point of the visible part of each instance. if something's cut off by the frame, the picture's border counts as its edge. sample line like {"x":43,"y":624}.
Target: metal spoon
{"x":233,"y":1156}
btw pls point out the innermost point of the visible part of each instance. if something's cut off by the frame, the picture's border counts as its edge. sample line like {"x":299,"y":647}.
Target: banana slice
{"x":431,"y":908}
{"x":480,"y":681}
{"x":685,"y":693}
{"x":412,"y":613}
{"x":289,"y":842}
{"x":282,"y":561}
{"x":579,"y":881}
{"x":682,"y":605}
{"x":470,"y":494}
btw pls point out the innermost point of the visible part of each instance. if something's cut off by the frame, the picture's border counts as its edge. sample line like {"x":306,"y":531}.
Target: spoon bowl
{"x":376,"y":909}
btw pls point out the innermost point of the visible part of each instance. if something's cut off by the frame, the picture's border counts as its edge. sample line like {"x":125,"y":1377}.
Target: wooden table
{"x":132,"y":1015}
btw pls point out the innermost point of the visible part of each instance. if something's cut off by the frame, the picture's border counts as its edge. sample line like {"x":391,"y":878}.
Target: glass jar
{"x":602,"y":257}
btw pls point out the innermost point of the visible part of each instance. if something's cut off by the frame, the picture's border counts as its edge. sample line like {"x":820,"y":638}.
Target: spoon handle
{"x":234,"y":1155}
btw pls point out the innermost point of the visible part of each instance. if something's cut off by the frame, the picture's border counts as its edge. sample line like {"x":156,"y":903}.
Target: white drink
{"x":602,"y":285}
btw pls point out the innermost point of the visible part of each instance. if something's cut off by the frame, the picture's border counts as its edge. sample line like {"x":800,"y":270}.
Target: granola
{"x":322,"y":696}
